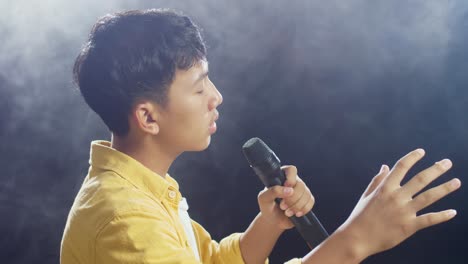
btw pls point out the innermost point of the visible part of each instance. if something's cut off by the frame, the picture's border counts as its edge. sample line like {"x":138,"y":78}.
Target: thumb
{"x":269,"y":195}
{"x":376,"y":180}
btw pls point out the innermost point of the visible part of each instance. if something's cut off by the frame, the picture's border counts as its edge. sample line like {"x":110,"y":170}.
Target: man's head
{"x":132,"y":60}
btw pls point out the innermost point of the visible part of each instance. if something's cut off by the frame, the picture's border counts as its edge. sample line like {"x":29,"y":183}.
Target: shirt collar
{"x":103,"y":156}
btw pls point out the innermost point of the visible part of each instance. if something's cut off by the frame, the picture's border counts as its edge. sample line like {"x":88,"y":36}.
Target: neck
{"x":145,"y":151}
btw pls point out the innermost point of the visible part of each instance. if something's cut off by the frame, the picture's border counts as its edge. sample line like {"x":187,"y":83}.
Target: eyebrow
{"x":202,"y":76}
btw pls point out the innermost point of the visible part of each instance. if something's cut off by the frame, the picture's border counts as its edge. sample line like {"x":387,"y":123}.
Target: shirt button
{"x":172,"y":194}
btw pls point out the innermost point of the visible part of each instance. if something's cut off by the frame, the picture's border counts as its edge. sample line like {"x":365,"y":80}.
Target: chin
{"x":207,"y":143}
{"x":203,"y":145}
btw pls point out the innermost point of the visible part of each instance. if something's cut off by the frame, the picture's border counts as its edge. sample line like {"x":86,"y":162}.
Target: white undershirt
{"x":185,"y":219}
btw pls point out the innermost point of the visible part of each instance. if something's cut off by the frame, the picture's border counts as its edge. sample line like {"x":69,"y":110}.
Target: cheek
{"x":191,"y":115}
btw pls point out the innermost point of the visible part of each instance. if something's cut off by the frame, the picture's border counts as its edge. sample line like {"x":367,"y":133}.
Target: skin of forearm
{"x":339,"y":248}
{"x":258,"y":240}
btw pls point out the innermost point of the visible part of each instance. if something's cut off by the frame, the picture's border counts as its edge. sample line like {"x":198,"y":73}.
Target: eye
{"x":201,"y":86}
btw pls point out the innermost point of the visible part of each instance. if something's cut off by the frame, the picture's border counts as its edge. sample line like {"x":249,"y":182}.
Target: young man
{"x":145,"y":74}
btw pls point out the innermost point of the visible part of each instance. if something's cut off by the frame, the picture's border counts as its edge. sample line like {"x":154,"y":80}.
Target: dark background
{"x":337,"y":88}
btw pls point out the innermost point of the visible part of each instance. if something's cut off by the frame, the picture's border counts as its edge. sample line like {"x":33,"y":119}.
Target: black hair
{"x":134,"y":55}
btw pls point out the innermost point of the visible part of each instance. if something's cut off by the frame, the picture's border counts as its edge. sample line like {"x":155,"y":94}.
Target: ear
{"x":145,"y":116}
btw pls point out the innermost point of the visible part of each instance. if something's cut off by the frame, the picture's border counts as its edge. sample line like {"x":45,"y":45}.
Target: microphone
{"x":267,"y":166}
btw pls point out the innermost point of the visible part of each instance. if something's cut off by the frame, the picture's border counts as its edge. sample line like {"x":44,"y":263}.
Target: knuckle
{"x":265,"y":189}
{"x":283,"y":205}
{"x":312,"y":199}
{"x":277,"y":190}
{"x":421,"y":201}
{"x":261,"y":195}
{"x":407,"y":230}
{"x":384,"y":191}
{"x":294,"y":208}
{"x":300,"y":207}
{"x":394,"y":198}
{"x":403,"y":164}
{"x":300,"y":186}
{"x":309,"y":202}
{"x":293,"y":203}
{"x":439,"y":166}
{"x":424,"y":198}
{"x":262,"y":192}
{"x":448,"y":187}
{"x":377,"y":176}
{"x":287,"y":202}
{"x":421,"y":179}
{"x":431,"y":220}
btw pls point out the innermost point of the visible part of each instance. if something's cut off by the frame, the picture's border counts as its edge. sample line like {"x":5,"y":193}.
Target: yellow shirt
{"x":125,"y":213}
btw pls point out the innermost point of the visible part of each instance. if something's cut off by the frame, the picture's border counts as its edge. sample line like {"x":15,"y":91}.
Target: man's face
{"x":188,"y":121}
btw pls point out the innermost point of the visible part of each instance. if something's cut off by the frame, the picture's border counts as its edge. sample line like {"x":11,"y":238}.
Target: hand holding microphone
{"x":297,"y":199}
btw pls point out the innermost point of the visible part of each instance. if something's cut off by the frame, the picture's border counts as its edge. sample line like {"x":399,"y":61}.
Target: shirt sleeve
{"x":141,"y":237}
{"x":226,"y":251}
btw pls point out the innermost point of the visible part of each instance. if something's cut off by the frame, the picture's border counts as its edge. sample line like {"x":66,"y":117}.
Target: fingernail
{"x":452,"y":213}
{"x":446,"y":163}
{"x":421,"y":151}
{"x":283,"y":207}
{"x":299,"y":214}
{"x":289,"y":213}
{"x":287,"y":190}
{"x":455,"y":183}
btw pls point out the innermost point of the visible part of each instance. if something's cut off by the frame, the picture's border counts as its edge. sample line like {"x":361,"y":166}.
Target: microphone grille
{"x":256,"y":151}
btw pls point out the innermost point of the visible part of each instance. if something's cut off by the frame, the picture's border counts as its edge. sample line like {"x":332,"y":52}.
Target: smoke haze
{"x":335,"y":87}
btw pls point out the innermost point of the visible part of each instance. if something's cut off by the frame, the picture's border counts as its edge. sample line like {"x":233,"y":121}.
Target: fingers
{"x":269,"y":195}
{"x":403,"y":166}
{"x":299,"y":191}
{"x":432,"y":195}
{"x":431,"y":219}
{"x":297,"y":199}
{"x":422,"y":179}
{"x":291,"y":175}
{"x":376,"y":180}
{"x":300,"y":202}
{"x":303,"y":206}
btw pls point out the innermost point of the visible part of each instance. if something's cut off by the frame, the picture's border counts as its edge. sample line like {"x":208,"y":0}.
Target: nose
{"x":217,"y":98}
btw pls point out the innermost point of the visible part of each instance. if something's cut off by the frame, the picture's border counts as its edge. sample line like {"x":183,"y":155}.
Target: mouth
{"x":213,"y":127}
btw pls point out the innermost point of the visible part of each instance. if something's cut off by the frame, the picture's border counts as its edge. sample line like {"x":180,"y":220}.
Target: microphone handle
{"x":310,"y":229}
{"x":307,"y":225}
